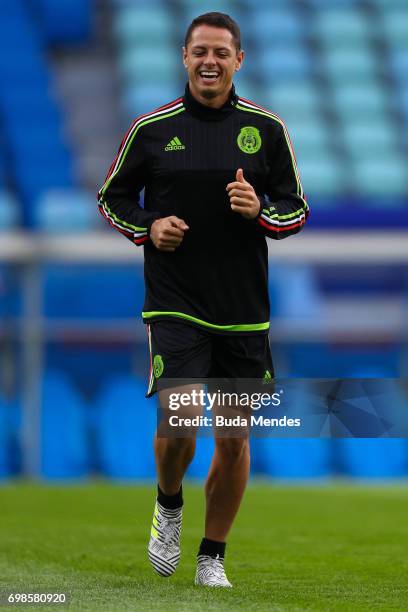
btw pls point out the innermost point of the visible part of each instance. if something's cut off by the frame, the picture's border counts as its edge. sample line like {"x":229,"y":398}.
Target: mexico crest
{"x":249,"y":140}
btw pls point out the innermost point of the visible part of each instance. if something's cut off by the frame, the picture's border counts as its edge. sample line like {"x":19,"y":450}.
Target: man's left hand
{"x":243,"y":197}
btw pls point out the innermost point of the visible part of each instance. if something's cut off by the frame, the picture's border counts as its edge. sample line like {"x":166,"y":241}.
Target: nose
{"x":209,"y":58}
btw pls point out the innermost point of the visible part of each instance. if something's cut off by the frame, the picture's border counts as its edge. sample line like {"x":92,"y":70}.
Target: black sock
{"x":212,"y":548}
{"x":170,"y":501}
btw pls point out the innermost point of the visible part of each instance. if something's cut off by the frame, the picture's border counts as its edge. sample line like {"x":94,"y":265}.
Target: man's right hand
{"x":167,"y":234}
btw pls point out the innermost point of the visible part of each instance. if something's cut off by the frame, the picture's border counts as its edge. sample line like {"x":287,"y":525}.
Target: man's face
{"x":211,"y":59}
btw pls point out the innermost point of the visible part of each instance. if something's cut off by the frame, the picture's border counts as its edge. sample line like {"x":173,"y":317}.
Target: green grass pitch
{"x":333,"y":547}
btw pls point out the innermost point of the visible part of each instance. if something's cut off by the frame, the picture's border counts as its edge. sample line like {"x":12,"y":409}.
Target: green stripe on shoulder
{"x":125,"y":152}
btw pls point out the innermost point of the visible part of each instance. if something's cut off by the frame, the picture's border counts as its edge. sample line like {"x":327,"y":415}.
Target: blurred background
{"x":73,"y":349}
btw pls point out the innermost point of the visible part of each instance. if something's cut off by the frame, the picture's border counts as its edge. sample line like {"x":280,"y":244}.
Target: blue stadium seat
{"x":189,"y":9}
{"x":202,"y":459}
{"x":138,"y":100}
{"x":5,"y":468}
{"x":248,"y":88}
{"x":276,"y":23}
{"x":373,"y":458}
{"x":149,"y":65}
{"x":369,"y":138}
{"x":294,"y":292}
{"x":93,"y":291}
{"x":324,"y":174}
{"x":284,"y":62}
{"x":3,"y":164}
{"x":141,"y":24}
{"x":65,"y":22}
{"x":292,"y":459}
{"x":384,"y":175}
{"x":346,"y":65}
{"x":10,"y":216}
{"x":399,"y":65}
{"x":365,"y":100}
{"x":309,"y":138}
{"x":336,"y":4}
{"x":345,"y":24}
{"x":395,"y":25}
{"x":127,"y":422}
{"x":295,"y":99}
{"x":64,"y":452}
{"x":402,"y":101}
{"x":68,"y":210}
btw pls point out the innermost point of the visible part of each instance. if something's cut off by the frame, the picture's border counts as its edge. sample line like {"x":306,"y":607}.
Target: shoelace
{"x":169,"y":529}
{"x":215,"y":569}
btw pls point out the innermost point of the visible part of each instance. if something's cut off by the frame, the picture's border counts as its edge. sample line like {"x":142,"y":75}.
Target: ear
{"x":239,"y":60}
{"x":185,"y":57}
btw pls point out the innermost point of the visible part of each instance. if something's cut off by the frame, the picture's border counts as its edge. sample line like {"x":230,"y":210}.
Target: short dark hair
{"x":217,"y":20}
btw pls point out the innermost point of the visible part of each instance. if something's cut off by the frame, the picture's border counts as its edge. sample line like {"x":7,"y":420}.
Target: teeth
{"x":209,"y":74}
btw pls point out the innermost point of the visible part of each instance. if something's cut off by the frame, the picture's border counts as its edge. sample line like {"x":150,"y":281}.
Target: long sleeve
{"x":286,"y":210}
{"x":119,"y":197}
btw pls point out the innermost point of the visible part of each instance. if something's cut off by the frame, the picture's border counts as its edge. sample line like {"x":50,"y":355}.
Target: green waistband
{"x":236,"y":327}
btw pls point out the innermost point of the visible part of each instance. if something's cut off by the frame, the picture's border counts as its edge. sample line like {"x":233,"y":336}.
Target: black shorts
{"x":179,"y":350}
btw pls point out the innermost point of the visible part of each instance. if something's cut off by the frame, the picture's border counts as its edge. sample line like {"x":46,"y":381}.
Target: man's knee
{"x":171,"y":448}
{"x":232,"y":450}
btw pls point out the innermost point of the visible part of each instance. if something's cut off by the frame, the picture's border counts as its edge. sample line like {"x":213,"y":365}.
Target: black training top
{"x":184,"y":154}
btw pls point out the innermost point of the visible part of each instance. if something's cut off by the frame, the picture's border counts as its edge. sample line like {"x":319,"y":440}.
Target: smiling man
{"x":220,"y":176}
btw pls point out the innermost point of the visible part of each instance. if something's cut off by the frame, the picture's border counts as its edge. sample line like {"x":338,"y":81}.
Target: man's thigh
{"x":177,"y":350}
{"x":245,"y":356}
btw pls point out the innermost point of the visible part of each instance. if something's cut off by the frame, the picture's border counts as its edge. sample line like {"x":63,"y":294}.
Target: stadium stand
{"x":64,"y":446}
{"x":125,"y":445}
{"x":336,"y":72}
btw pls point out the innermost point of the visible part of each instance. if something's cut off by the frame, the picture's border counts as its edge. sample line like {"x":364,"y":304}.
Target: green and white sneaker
{"x":211,"y":572}
{"x":164,"y":544}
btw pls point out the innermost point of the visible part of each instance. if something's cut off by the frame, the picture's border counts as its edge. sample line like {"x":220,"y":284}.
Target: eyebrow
{"x":197,"y":47}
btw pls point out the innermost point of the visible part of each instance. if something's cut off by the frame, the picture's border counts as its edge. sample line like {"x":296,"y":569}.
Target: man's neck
{"x":216,"y":102}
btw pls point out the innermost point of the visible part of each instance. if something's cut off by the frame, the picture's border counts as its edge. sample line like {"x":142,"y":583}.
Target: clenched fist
{"x":167,"y":234}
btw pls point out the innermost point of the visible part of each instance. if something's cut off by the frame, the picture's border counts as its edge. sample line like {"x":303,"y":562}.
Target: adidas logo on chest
{"x":175,"y":144}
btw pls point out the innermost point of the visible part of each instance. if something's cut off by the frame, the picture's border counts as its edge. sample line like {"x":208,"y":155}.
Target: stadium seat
{"x":198,"y":468}
{"x":64,"y":452}
{"x":291,"y":286}
{"x":277,"y":24}
{"x":373,"y":458}
{"x":336,"y":4}
{"x":70,"y":210}
{"x":248,"y":88}
{"x":292,"y":459}
{"x":395,"y":25}
{"x":310,"y":138}
{"x":65,"y":22}
{"x":347,"y":65}
{"x":93,"y":291}
{"x":10,"y":216}
{"x":368,"y":100}
{"x":293,"y":99}
{"x":346,"y":25}
{"x":384,"y":175}
{"x":284,"y":62}
{"x":369,"y":138}
{"x":5,"y":468}
{"x":149,"y":65}
{"x":399,"y":65}
{"x":141,"y":24}
{"x":323,"y":175}
{"x":189,"y":9}
{"x":127,"y":422}
{"x":137,"y":100}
